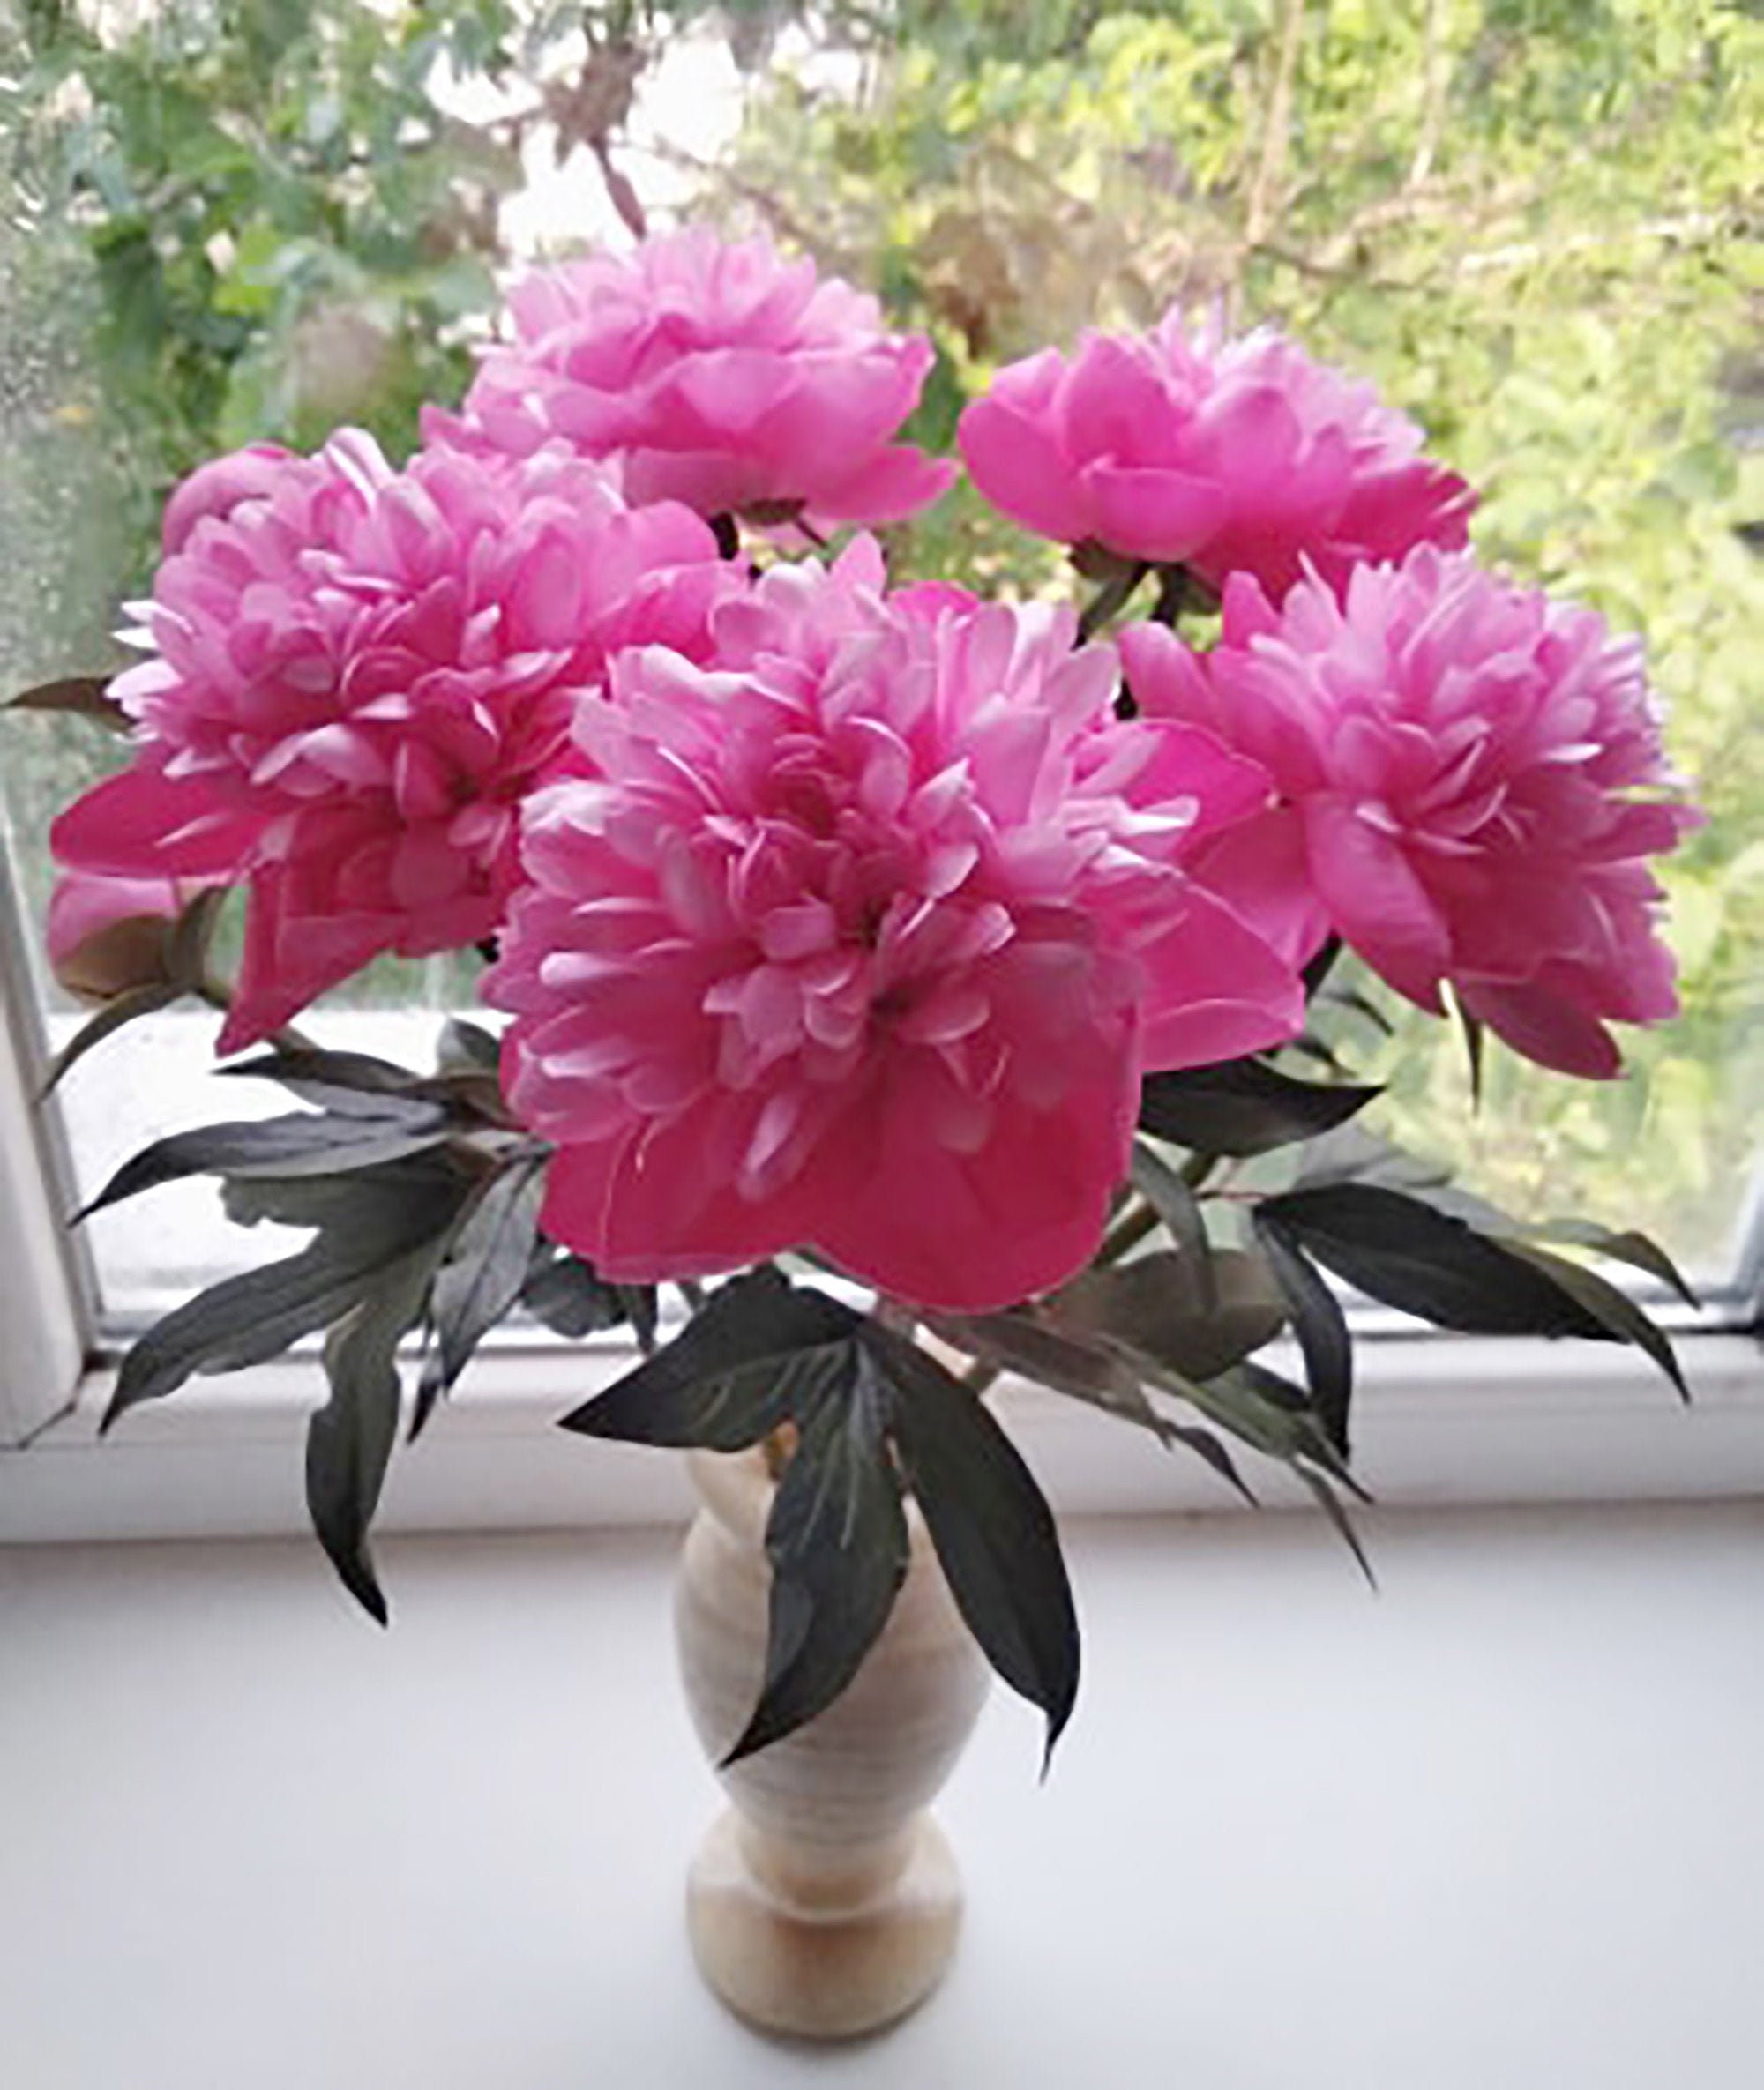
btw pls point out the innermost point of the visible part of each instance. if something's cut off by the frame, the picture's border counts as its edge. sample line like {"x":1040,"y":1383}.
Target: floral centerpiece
{"x":907,"y":988}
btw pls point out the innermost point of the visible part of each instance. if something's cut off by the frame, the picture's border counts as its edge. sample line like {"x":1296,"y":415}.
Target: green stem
{"x":1110,"y":597}
{"x":218,"y":995}
{"x":1127,"y":1232}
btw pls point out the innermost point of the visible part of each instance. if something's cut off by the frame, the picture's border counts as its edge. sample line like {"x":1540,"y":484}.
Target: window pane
{"x":1527,"y":223}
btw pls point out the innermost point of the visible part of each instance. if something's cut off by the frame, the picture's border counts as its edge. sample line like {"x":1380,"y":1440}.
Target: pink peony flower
{"x":863,"y":937}
{"x":219,"y":487}
{"x":105,"y":935}
{"x":1246,"y":457}
{"x":357,"y":673}
{"x":716,"y":374}
{"x":1470,"y":781}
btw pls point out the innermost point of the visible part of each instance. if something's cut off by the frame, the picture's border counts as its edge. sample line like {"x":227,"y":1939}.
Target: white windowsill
{"x":1439,"y":1420}
{"x":1494,"y":1830}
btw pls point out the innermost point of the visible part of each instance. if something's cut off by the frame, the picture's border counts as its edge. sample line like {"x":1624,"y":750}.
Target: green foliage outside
{"x":1534,"y":221}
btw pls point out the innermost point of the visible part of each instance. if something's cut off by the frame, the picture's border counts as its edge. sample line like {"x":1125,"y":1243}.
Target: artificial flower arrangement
{"x":913,"y":987}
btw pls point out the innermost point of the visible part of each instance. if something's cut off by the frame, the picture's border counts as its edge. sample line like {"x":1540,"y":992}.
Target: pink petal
{"x":1016,"y":462}
{"x":894,"y":483}
{"x":1544,"y":1027}
{"x":1377,"y":902}
{"x":1214,"y":989}
{"x":144,"y":822}
{"x":1151,"y":512}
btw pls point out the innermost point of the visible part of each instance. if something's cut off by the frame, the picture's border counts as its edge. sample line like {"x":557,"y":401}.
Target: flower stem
{"x":1127,"y":1232}
{"x":1112,"y":596}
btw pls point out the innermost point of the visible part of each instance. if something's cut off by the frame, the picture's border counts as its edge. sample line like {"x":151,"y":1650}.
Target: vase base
{"x":834,"y":1974}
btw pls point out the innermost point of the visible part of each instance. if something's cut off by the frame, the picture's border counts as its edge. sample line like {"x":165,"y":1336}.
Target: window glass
{"x":1526,"y":221}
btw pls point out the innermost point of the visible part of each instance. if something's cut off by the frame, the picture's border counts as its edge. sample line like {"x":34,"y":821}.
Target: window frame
{"x":1441,"y":1419}
{"x":48,"y":1293}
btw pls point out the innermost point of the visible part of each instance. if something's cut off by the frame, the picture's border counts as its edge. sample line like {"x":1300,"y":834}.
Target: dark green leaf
{"x":1317,"y":970}
{"x":349,"y":1440}
{"x":1360,"y":1005}
{"x":1617,"y":1313}
{"x":243,"y":1321}
{"x":1623,"y":1246}
{"x":642,"y":1310}
{"x":1243,"y":1107}
{"x":124,"y":1008}
{"x":837,"y":1541}
{"x":348,"y":1084}
{"x":365,"y":1202}
{"x":1196,"y":1319}
{"x":1206,"y":1446}
{"x":1170,"y":1195}
{"x":1473,"y":1036}
{"x":1266,"y":1412}
{"x":1351,"y":1154}
{"x":1424,"y":1262}
{"x":481,"y":1278}
{"x":82,"y":694}
{"x":303,"y":1142}
{"x":191,"y":935}
{"x":1017,"y":1340}
{"x":1330,"y":1504}
{"x":466,"y":1048}
{"x":563,"y":1293}
{"x":990,"y":1523}
{"x":722,"y":1382}
{"x":1320,"y":1323}
{"x":253,"y":1317}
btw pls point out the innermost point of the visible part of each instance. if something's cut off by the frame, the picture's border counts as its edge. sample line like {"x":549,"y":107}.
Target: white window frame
{"x":1440,"y":1419}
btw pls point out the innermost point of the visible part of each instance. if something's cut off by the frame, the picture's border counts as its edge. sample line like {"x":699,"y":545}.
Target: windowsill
{"x":1495,"y":1828}
{"x":1439,"y":1420}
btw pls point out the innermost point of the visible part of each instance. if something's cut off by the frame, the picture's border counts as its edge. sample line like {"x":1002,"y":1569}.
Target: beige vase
{"x":826,"y":1901}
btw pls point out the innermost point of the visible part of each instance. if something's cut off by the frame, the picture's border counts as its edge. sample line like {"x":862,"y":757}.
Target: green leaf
{"x":1622,"y":1246}
{"x":1243,"y":1107}
{"x":563,"y":1293}
{"x":1208,"y":1448}
{"x":1618,"y":1314}
{"x":481,"y":1278}
{"x":759,"y":1348}
{"x":1198,"y":1320}
{"x":466,"y":1048}
{"x":136,"y":1001}
{"x":1351,"y":1154}
{"x":1319,"y":967}
{"x":349,"y":1440}
{"x":1171,"y":1197}
{"x":243,"y":1321}
{"x":1330,"y":1504}
{"x":301,"y":1143}
{"x":348,"y":1084}
{"x":1266,"y":1412}
{"x":191,"y":934}
{"x":1424,"y":1261}
{"x":1320,"y":1323}
{"x":990,"y":1524}
{"x":365,"y":1202}
{"x":837,"y":1541}
{"x":642,"y":1310}
{"x":251,"y":1317}
{"x":1473,"y":1034}
{"x":84,"y":695}
{"x":1017,"y":1340}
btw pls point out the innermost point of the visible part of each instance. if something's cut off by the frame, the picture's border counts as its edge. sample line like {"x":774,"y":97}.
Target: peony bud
{"x":108,"y":934}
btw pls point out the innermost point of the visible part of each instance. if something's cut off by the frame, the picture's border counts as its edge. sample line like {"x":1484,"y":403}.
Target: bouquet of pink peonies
{"x":915,"y":965}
